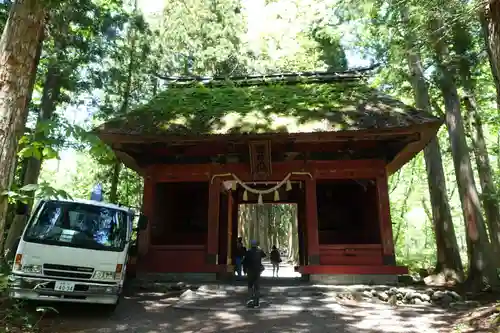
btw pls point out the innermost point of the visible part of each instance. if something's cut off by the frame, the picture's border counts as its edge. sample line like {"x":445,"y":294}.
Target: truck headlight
{"x":104,"y":275}
{"x":33,"y":269}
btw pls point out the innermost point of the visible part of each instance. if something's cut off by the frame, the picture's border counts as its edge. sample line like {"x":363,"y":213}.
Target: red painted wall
{"x":351,"y":254}
{"x":176,"y":220}
{"x":193,"y":258}
{"x":175,"y":259}
{"x":347,"y":212}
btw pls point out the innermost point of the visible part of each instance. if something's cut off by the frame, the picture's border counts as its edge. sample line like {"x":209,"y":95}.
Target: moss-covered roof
{"x":267,"y":108}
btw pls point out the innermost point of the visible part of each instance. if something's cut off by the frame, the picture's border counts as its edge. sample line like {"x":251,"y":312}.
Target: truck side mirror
{"x":143,"y":222}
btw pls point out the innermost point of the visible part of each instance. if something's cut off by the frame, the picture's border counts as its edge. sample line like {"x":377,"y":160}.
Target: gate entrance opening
{"x":272,"y":225}
{"x":278,"y":219}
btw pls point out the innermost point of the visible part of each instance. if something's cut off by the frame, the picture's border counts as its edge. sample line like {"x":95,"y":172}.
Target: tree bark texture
{"x":115,"y":178}
{"x":18,"y":52}
{"x":489,"y":193}
{"x":50,"y":95}
{"x":241,"y":224}
{"x":404,"y":205}
{"x":294,"y":249}
{"x":490,"y":23}
{"x":264,"y":228}
{"x":475,"y":129}
{"x":481,"y":261}
{"x":254,"y":222}
{"x":449,"y":262}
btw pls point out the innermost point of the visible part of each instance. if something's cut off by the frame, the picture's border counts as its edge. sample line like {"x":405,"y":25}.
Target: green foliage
{"x":332,"y":52}
{"x":78,"y":37}
{"x":14,"y":315}
{"x":79,"y":174}
{"x":4,"y":13}
{"x":202,"y":38}
{"x":412,"y":220}
{"x":40,"y":191}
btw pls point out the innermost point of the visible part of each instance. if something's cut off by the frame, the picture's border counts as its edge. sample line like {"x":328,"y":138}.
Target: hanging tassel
{"x":300,"y":185}
{"x":276,"y":195}
{"x":261,"y":201}
{"x":234,"y":185}
{"x":288,"y":185}
{"x":245,"y":196}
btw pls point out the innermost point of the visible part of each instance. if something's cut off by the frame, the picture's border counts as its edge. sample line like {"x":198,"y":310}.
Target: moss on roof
{"x":303,"y":107}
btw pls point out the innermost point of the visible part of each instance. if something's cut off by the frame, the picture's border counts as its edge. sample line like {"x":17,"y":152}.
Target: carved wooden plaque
{"x":260,"y":159}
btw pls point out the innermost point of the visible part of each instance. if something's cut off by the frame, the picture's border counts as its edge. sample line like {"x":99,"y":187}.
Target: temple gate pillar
{"x":213,"y":222}
{"x":312,"y":222}
{"x":148,"y":201}
{"x":384,"y":217}
{"x":230,"y":209}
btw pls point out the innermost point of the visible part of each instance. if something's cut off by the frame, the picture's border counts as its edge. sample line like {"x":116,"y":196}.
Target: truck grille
{"x":75,"y":272}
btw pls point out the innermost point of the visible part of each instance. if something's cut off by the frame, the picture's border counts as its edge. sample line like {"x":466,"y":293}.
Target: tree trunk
{"x":449,"y":262}
{"x":270,"y":226}
{"x":15,"y":215}
{"x":475,"y":129}
{"x":18,"y":221}
{"x":249,"y":223}
{"x":241,"y":223}
{"x":113,"y":193}
{"x":428,"y":213}
{"x":277,"y":224}
{"x":490,"y":24}
{"x":404,"y":206}
{"x":490,"y":203}
{"x":479,"y":250}
{"x":18,"y":51}
{"x":255,"y":222}
{"x":291,"y":243}
{"x":264,"y":227}
{"x":50,"y":95}
{"x":294,"y":235}
{"x":498,"y":149}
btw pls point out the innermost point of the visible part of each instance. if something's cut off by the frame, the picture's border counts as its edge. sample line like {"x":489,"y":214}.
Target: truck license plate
{"x":64,"y":286}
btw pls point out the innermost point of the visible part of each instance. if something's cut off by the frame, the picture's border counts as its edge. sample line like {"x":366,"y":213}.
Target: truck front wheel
{"x":109,"y":309}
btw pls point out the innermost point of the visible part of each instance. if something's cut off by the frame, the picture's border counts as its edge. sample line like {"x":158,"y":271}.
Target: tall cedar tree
{"x":18,"y":53}
{"x":448,"y":255}
{"x":481,"y":260}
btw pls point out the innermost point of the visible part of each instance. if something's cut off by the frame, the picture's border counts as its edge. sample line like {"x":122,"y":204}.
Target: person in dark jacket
{"x":253,"y":266}
{"x":275,"y":260}
{"x":239,"y":255}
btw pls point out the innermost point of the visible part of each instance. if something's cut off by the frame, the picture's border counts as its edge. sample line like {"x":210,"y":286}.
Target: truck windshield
{"x":78,"y":225}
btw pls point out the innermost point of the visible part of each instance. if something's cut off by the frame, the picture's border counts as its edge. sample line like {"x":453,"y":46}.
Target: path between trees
{"x":221,"y":310}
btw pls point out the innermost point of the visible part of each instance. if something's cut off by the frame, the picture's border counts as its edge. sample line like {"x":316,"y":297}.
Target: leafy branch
{"x":42,"y":190}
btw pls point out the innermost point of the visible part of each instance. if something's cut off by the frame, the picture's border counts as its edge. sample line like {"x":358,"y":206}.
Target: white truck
{"x":74,"y":251}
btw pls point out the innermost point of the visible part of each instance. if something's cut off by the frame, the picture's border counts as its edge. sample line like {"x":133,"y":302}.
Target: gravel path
{"x":153,"y":313}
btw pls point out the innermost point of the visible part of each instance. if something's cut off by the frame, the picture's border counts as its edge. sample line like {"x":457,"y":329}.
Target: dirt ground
{"x":152,"y":313}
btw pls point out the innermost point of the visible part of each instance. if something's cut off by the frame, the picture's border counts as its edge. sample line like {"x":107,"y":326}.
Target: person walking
{"x":254,"y":267}
{"x":275,"y":260}
{"x":239,"y":255}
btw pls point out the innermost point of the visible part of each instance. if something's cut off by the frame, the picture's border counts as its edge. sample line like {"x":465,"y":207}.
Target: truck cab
{"x":74,"y":251}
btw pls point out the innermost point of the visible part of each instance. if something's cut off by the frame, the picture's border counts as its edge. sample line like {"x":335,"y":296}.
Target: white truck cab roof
{"x":96,"y":203}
